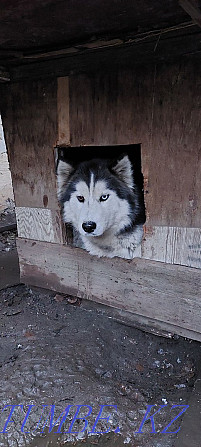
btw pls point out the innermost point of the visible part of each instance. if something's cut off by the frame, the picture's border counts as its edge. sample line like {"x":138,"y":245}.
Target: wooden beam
{"x":154,"y":290}
{"x":122,"y":41}
{"x":190,"y":6}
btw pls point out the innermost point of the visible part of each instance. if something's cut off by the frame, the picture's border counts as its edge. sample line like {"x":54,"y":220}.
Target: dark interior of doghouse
{"x":76,"y":155}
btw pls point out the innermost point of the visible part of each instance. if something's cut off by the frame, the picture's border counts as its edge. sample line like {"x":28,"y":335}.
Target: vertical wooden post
{"x":63,"y":112}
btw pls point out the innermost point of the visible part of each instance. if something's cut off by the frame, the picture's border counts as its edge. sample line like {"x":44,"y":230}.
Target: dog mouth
{"x":90,"y":229}
{"x":92,"y":234}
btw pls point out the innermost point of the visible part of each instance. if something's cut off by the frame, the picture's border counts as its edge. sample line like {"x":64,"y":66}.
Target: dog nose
{"x":89,"y":227}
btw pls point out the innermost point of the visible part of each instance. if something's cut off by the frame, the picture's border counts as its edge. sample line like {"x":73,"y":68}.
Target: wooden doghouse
{"x":108,"y":73}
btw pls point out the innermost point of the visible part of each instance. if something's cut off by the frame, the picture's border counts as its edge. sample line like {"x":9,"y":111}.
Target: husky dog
{"x":101,"y":202}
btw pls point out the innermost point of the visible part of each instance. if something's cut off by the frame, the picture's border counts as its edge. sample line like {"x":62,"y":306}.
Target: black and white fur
{"x":101,"y":202}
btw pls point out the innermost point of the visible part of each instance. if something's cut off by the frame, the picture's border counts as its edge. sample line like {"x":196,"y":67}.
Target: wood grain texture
{"x":107,"y":108}
{"x":158,"y":107}
{"x":151,"y":289}
{"x":173,"y":245}
{"x":29,"y":115}
{"x":40,"y":224}
{"x":174,"y":157}
{"x":63,"y":111}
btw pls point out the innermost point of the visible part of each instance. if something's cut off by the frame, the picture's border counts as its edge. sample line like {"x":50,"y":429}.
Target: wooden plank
{"x":191,"y":7}
{"x":39,"y":224}
{"x":173,"y":245}
{"x":63,"y":112}
{"x":151,"y":289}
{"x":125,"y":41}
{"x":29,"y":116}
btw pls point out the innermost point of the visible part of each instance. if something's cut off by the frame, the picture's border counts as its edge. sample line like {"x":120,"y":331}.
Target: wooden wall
{"x":158,"y":107}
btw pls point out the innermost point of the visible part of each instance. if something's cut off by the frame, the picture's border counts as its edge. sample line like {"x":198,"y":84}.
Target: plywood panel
{"x":158,"y":107}
{"x":173,"y":245}
{"x":174,"y":158}
{"x":40,"y":224}
{"x":166,"y":293}
{"x":105,"y":108}
{"x":29,"y":113}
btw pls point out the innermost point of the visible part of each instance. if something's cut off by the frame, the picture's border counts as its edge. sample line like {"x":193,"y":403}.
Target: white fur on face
{"x":111,"y":215}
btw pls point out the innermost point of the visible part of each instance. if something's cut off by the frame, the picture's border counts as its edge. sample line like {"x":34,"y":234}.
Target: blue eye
{"x":104,"y":197}
{"x":80,"y":199}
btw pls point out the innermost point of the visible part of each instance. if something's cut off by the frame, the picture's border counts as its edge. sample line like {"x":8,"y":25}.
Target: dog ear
{"x":64,"y":171}
{"x":123,"y":170}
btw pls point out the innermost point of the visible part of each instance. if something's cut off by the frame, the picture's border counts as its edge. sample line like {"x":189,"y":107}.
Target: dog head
{"x":98,"y":195}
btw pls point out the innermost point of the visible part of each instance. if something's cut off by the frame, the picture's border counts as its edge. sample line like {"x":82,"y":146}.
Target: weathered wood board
{"x":159,"y":108}
{"x":162,"y":292}
{"x":29,"y":116}
{"x":29,"y":113}
{"x":40,"y":224}
{"x":173,"y":245}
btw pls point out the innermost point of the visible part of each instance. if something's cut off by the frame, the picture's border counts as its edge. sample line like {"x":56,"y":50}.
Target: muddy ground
{"x":57,"y":353}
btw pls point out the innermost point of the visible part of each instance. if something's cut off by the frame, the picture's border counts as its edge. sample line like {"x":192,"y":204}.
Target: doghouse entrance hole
{"x":76,"y":155}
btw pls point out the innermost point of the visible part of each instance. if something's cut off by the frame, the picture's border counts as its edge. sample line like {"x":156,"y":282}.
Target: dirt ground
{"x":57,"y":353}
